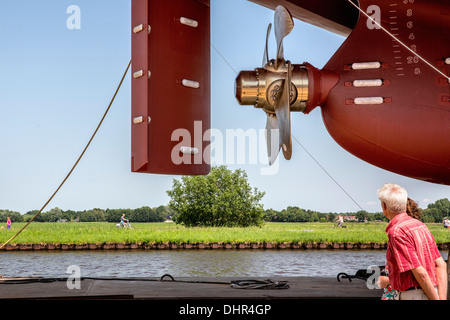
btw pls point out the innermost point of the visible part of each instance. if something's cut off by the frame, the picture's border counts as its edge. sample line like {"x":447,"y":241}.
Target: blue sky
{"x":56,"y":83}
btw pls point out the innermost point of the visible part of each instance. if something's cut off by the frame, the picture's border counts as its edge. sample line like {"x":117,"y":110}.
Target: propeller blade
{"x":283,"y":24}
{"x":282,"y":110}
{"x":266,"y":49}
{"x":272,"y":138}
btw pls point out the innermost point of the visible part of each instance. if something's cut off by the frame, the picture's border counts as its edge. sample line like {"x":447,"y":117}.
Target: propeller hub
{"x":261,"y":88}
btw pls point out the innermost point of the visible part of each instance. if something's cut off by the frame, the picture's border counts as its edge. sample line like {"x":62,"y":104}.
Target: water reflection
{"x":189,"y":263}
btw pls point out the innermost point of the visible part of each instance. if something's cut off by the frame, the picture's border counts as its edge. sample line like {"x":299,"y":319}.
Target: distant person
{"x":340,"y":221}
{"x":8,"y":223}
{"x":416,"y":268}
{"x":446,"y":223}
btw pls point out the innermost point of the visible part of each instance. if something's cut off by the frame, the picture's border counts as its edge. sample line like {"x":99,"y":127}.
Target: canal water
{"x":189,"y":263}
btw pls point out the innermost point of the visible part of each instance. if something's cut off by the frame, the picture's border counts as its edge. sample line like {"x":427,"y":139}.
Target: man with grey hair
{"x":415,"y":265}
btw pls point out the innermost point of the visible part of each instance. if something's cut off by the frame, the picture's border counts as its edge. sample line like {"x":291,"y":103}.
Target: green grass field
{"x":103,"y":232}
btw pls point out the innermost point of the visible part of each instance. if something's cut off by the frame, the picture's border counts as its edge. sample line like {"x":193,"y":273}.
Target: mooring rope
{"x":76,"y":163}
{"x":259,"y":284}
{"x":238,"y":284}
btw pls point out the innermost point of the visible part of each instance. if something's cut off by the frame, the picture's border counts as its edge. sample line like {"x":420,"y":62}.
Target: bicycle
{"x":125,"y":226}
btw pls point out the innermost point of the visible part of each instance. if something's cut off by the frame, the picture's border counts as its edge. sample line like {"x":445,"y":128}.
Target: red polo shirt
{"x":410,"y":245}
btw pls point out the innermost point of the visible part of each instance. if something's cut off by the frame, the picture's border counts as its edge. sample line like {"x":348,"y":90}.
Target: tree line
{"x":143,"y":214}
{"x":434,"y":213}
{"x":296,"y":214}
{"x":437,"y":211}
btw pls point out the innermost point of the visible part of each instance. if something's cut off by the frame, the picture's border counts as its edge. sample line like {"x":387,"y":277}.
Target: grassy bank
{"x":103,"y":232}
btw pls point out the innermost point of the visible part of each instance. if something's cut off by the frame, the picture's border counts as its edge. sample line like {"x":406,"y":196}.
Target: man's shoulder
{"x":405,"y":225}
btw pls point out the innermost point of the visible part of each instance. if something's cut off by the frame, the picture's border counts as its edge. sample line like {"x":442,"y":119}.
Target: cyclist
{"x":123,"y":220}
